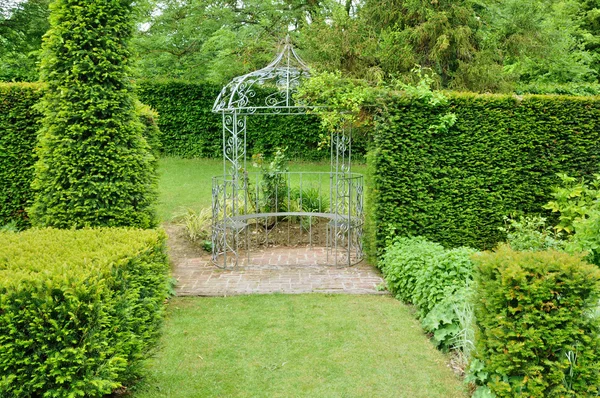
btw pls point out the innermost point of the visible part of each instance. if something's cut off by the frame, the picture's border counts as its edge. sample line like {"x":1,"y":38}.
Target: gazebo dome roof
{"x":268,"y":90}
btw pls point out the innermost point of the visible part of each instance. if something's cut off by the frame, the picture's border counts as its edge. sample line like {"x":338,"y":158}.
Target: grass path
{"x":296,"y":346}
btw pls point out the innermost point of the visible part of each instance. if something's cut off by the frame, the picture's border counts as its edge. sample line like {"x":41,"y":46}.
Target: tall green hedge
{"x":190,"y":129}
{"x":502,"y":155}
{"x":79,"y":309}
{"x":94,"y":167}
{"x":19,"y":123}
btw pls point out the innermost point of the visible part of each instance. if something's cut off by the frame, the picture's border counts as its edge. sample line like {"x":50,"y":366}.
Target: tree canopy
{"x":478,"y":45}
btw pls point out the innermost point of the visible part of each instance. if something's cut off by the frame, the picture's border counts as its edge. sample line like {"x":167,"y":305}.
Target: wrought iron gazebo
{"x":317,"y":209}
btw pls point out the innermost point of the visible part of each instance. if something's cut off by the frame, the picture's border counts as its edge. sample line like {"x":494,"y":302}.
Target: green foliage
{"x":208,"y":40}
{"x":447,"y":273}
{"x":94,"y":166}
{"x":79,"y":309}
{"x":536,"y":335}
{"x":310,"y":200}
{"x":481,"y":46}
{"x":578,"y":203}
{"x":197,"y":224}
{"x":344,"y":102}
{"x":438,"y":35}
{"x":450,"y":322}
{"x":189,"y":128}
{"x":273,"y":185}
{"x":19,"y":123}
{"x":574,"y":200}
{"x":402,"y":261}
{"x":10,"y":227}
{"x":340,"y":100}
{"x":437,"y":282}
{"x":441,"y":295}
{"x":501,"y":155}
{"x":151,"y":132}
{"x":22,"y":25}
{"x":531,"y":233}
{"x":587,"y":237}
{"x":367,"y":346}
{"x":575,"y":89}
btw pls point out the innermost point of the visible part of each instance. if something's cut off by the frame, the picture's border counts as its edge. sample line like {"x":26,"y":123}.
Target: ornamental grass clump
{"x":94,"y":167}
{"x":537,"y":333}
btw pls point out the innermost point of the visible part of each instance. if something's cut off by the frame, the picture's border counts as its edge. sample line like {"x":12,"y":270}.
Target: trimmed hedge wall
{"x":502,"y":155}
{"x":78,"y":308}
{"x":537,"y":336}
{"x":190,"y":129}
{"x":19,"y":125}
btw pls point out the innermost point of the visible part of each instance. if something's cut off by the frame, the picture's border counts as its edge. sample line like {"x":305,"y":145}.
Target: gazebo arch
{"x":236,"y":198}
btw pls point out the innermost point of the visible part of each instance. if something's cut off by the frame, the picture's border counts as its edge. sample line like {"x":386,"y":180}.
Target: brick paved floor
{"x":281,"y":270}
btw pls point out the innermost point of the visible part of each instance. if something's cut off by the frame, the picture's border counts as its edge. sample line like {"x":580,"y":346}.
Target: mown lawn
{"x":295,"y":346}
{"x":186,"y":183}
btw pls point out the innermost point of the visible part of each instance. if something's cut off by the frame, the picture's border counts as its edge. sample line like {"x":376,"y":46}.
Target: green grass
{"x":295,"y":346}
{"x":187,"y":183}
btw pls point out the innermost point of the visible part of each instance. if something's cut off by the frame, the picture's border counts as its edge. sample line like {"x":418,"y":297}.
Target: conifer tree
{"x":94,"y":167}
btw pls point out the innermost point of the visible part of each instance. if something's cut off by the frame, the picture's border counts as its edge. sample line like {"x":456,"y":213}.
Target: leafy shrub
{"x":151,"y":132}
{"x":578,"y":203}
{"x":450,"y":322}
{"x":79,"y":309}
{"x":10,"y":227}
{"x":587,"y":236}
{"x":94,"y":166}
{"x":437,"y":282}
{"x":273,"y":186}
{"x":310,"y":200}
{"x":445,"y":274}
{"x":536,"y":335}
{"x":578,"y":89}
{"x":403,"y":260}
{"x":531,"y":233}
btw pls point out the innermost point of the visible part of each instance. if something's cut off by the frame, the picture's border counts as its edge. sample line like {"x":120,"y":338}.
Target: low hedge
{"x":78,"y":308}
{"x":537,"y":335}
{"x":454,"y":186}
{"x":19,"y":125}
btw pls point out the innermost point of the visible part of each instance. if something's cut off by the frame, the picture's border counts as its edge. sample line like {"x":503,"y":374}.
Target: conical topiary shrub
{"x":94,"y":167}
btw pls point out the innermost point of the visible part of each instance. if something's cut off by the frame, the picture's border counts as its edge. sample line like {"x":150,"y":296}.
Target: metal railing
{"x":255,"y":211}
